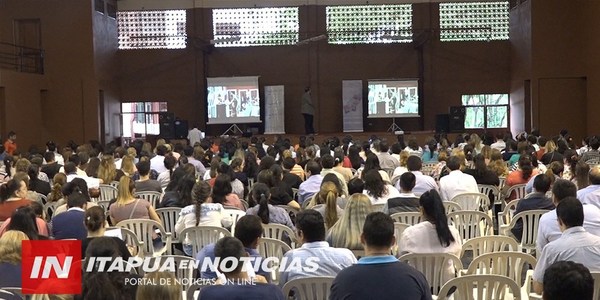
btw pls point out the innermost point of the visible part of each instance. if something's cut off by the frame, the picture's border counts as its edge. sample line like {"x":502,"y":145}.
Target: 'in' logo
{"x":51,"y":267}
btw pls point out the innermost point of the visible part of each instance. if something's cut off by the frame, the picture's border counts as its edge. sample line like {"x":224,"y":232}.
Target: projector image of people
{"x":386,"y":100}
{"x":226,"y":102}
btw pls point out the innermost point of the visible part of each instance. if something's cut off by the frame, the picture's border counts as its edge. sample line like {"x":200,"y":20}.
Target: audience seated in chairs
{"x":312,"y":184}
{"x":535,"y":200}
{"x":423,"y":183}
{"x":456,"y":182}
{"x":95,"y":224}
{"x":128,"y":207}
{"x":23,"y":222}
{"x":202,"y":213}
{"x":222,"y":193}
{"x":181,"y":195}
{"x":145,"y":184}
{"x":378,"y":190}
{"x":77,"y":185}
{"x":239,"y":283}
{"x":70,"y":224}
{"x":12,"y":195}
{"x":379,"y":275}
{"x":310,"y":228}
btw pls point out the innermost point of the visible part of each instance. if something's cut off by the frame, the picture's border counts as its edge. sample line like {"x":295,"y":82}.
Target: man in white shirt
{"x":548,"y":229}
{"x":313,"y":181}
{"x":456,"y":182}
{"x":386,"y":160}
{"x":195,"y":135}
{"x":51,"y":147}
{"x":575,"y":244}
{"x":499,"y":144}
{"x":157,"y":163}
{"x":70,"y":171}
{"x":582,"y":194}
{"x":310,"y":227}
{"x":424,"y":183}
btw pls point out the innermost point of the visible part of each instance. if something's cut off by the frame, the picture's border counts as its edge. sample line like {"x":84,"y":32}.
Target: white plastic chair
{"x":41,"y":198}
{"x":294,"y":193}
{"x":310,"y":288}
{"x":471,"y":224}
{"x":480,"y":287}
{"x":489,"y":244}
{"x":472,"y":201}
{"x":519,"y":190}
{"x":12,"y":293}
{"x":273,"y":248}
{"x":531,"y":222}
{"x":410,"y":218}
{"x":131,"y":240}
{"x":506,"y":216}
{"x":104,"y":204}
{"x":506,"y":263}
{"x":235,"y":215}
{"x":377,"y":207}
{"x":114,"y":184}
{"x":152,"y":197}
{"x":433,"y":266}
{"x":200,"y":236}
{"x":451,"y":206}
{"x":50,"y":208}
{"x":168,"y":217}
{"x":279,"y":232}
{"x":488,"y":189}
{"x":108,"y":192}
{"x":596,"y":276}
{"x":398,"y":230}
{"x":144,"y":229}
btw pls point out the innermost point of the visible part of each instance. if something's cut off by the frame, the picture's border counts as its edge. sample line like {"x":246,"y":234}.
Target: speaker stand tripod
{"x":393,"y":128}
{"x":234,"y":129}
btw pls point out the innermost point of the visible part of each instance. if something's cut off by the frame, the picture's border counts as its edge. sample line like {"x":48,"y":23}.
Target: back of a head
{"x":594,"y":175}
{"x":229,"y":247}
{"x":374,"y":184}
{"x":453,"y":163}
{"x":327,"y":161}
{"x":103,"y":247}
{"x":288,"y":163}
{"x":313,"y":167}
{"x":312,"y":225}
{"x":49,"y":156}
{"x":414,"y":163}
{"x":407,"y":181}
{"x":594,"y":143}
{"x":161,"y":150}
{"x":355,"y":185}
{"x":95,"y":218}
{"x":24,"y":219}
{"x":143,"y":167}
{"x":378,"y":231}
{"x":566,"y":280}
{"x":10,"y":246}
{"x":247,"y":229}
{"x":570,"y":212}
{"x":542,"y":183}
{"x":384,"y":146}
{"x":76,"y":200}
{"x":562,"y":189}
{"x":70,"y":168}
{"x":266,"y":163}
{"x":84,"y":157}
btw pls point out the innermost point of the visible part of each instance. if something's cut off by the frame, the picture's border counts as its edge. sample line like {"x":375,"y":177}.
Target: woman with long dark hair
{"x":260,"y":206}
{"x":202,"y":211}
{"x":181,"y":196}
{"x":433,"y":235}
{"x":354,"y":155}
{"x":222,"y":193}
{"x":378,"y":190}
{"x":372,"y":163}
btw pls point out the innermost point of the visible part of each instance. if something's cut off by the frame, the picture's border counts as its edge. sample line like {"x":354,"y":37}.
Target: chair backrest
{"x":279,"y":232}
{"x":410,"y":218}
{"x":489,"y":287}
{"x":377,"y":207}
{"x":200,"y":236}
{"x":472,"y":201}
{"x":49,"y":209}
{"x":108,"y":192}
{"x":168,"y":217}
{"x":273,"y":248}
{"x":311,"y":288}
{"x":291,"y":211}
{"x":235,"y":215}
{"x":505,"y":263}
{"x":471,"y":224}
{"x":398,"y":230}
{"x":294,"y":193}
{"x":433,"y":266}
{"x":519,"y":190}
{"x":152,"y":197}
{"x":114,"y":184}
{"x":428,"y":167}
{"x":489,"y":244}
{"x":507,"y":212}
{"x":144,"y":229}
{"x":596,"y":276}
{"x":104,"y":204}
{"x":490,"y":190}
{"x":531,"y":221}
{"x":451,"y":206}
{"x":184,"y":275}
{"x":41,"y":198}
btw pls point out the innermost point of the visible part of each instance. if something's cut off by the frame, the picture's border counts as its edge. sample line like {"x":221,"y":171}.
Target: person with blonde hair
{"x":326,"y":203}
{"x":345,"y":233}
{"x":107,"y":170}
{"x":164,"y":287}
{"x":128,"y":207}
{"x":497,"y":164}
{"x":10,"y":258}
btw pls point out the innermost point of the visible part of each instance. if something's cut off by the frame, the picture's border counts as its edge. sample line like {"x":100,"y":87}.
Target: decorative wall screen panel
{"x":152,"y":29}
{"x":474,"y":21}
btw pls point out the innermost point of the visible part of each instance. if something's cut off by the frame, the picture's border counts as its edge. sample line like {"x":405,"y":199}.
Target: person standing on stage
{"x":308,"y":111}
